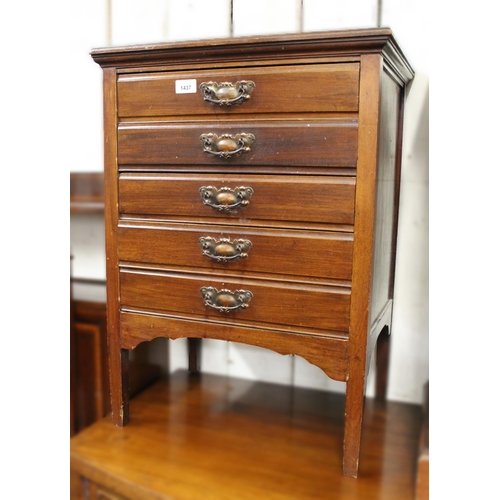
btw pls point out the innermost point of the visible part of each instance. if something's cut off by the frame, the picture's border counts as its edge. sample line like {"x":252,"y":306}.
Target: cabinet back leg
{"x":382,"y":360}
{"x":194,"y":354}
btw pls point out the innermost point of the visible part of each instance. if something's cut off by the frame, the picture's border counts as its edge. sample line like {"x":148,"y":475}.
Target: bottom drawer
{"x":244,"y":302}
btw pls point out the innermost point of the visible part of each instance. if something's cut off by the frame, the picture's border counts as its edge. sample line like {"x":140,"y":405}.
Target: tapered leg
{"x":382,"y":360}
{"x":194,"y":354}
{"x":119,"y":385}
{"x":355,"y":395}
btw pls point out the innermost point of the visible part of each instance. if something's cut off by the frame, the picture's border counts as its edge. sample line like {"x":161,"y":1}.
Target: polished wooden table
{"x":208,"y":437}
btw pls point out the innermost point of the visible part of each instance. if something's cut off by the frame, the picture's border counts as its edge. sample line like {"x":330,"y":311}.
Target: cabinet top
{"x":315,"y":45}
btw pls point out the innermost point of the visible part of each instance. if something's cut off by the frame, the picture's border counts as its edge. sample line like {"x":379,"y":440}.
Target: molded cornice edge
{"x":351,"y":43}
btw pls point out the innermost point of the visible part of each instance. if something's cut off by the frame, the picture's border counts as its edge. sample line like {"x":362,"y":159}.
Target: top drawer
{"x":301,"y":89}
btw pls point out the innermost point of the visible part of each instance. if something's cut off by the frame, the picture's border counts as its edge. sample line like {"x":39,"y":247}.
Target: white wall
{"x":119,"y":22}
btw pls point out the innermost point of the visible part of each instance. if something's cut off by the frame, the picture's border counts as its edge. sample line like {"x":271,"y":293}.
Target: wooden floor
{"x":206,"y":437}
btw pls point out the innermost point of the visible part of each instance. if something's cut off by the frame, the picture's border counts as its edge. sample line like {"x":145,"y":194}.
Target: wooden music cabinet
{"x":251,"y":195}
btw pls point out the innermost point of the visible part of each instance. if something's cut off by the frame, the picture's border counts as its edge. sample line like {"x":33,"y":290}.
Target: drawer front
{"x":311,"y":254}
{"x":325,"y":143}
{"x":310,"y":88}
{"x":287,"y":305}
{"x":259,"y":197}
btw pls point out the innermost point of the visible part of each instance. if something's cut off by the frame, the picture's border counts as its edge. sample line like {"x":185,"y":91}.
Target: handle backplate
{"x":227,"y":146}
{"x":227,"y":93}
{"x":226,"y":199}
{"x":226,"y":301}
{"x":224,"y":250}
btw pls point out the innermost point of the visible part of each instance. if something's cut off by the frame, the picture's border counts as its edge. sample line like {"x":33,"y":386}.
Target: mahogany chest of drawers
{"x":252,"y":190}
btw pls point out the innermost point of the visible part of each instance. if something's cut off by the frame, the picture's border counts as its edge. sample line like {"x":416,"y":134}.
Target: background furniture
{"x":86,"y":192}
{"x":90,"y":395}
{"x":422,"y":483}
{"x":310,"y":123}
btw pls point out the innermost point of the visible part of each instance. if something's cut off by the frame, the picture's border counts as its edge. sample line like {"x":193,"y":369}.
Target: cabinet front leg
{"x":354,"y":404}
{"x":119,"y":385}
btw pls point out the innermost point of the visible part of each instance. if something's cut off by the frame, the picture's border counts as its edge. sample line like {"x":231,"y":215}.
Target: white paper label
{"x":185,"y":86}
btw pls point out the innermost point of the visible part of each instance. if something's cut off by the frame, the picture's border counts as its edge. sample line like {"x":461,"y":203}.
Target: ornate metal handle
{"x":226,"y":93}
{"x":225,"y":300}
{"x":226,"y":199}
{"x":224,"y":250}
{"x":227,"y":146}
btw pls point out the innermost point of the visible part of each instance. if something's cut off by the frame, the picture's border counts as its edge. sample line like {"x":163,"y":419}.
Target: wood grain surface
{"x":306,"y":88}
{"x":301,"y":253}
{"x":283,"y":198}
{"x":214,"y":438}
{"x":317,"y":143}
{"x":278,"y":303}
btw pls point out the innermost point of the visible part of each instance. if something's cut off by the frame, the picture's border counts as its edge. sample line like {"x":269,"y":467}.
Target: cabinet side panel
{"x":387,"y":196}
{"x":369,"y":104}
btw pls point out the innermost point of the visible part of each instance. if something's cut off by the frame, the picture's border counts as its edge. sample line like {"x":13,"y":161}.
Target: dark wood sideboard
{"x":251,"y":195}
{"x":90,"y":392}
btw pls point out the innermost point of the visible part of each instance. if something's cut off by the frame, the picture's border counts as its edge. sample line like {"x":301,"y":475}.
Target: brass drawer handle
{"x":224,"y":250}
{"x":225,"y":300}
{"x":226,"y":93}
{"x":227,"y":146}
{"x":226,"y":199}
